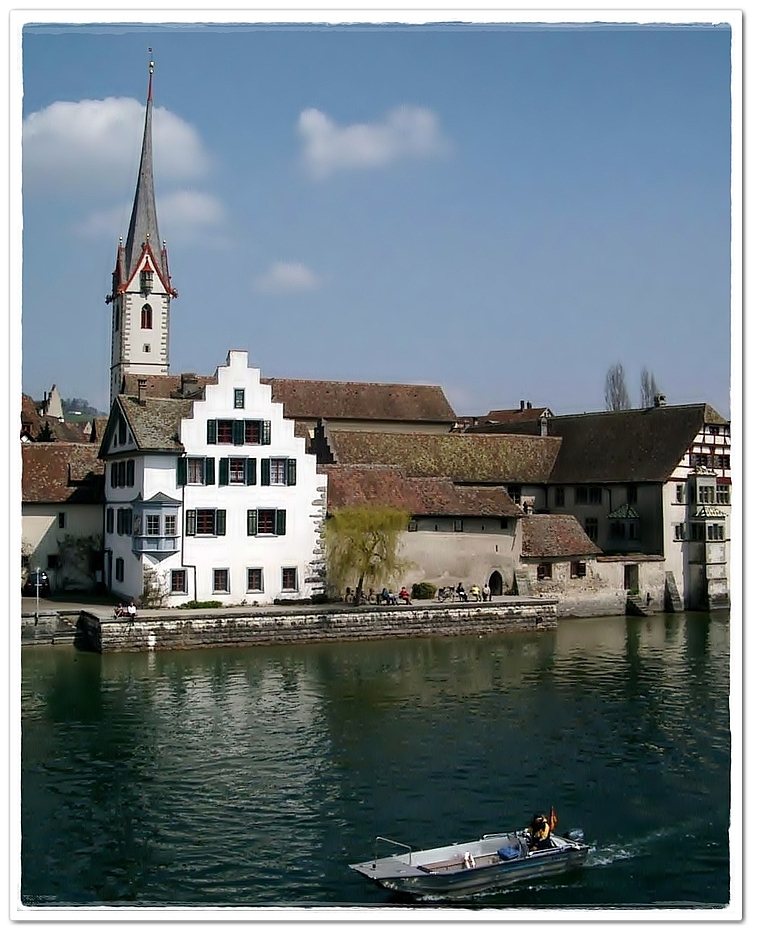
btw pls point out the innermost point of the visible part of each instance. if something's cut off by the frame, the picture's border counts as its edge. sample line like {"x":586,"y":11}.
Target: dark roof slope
{"x":156,"y":423}
{"x":555,"y":535}
{"x":57,"y":472}
{"x":331,"y":399}
{"x":483,"y":459}
{"x":435,"y":496}
{"x":632,"y":445}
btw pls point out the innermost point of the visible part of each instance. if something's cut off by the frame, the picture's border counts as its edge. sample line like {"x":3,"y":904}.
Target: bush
{"x":198,"y":605}
{"x":423,"y":591}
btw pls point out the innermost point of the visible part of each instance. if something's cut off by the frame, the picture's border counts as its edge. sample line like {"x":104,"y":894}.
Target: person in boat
{"x":540,"y":830}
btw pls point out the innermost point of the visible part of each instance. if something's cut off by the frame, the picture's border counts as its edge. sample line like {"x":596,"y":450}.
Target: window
{"x":121,"y":430}
{"x":617,"y":529}
{"x":582,"y":494}
{"x":146,"y":348}
{"x":257,"y":432}
{"x":147,"y":317}
{"x":680,"y":532}
{"x":697,"y":532}
{"x":543,"y":570}
{"x":239,"y":399}
{"x":178,"y":581}
{"x":145,"y":281}
{"x":109,"y":519}
{"x":702,"y":460}
{"x":200,"y":470}
{"x":457,"y":525}
{"x":503,"y":524}
{"x":123,"y":522}
{"x":220,"y":580}
{"x":289,"y":579}
{"x":595,"y":495}
{"x":723,"y":462}
{"x":514,"y":493}
{"x":117,"y":318}
{"x":706,"y":494}
{"x":53,"y":561}
{"x":716,"y":533}
{"x":205,"y":523}
{"x":61,"y":520}
{"x":632,"y":493}
{"x":723,"y":493}
{"x":559,"y":496}
{"x":225,"y":431}
{"x":170,"y":525}
{"x":412,"y":526}
{"x":152,"y":524}
{"x":632,"y":531}
{"x":237,"y":470}
{"x":592,"y":527}
{"x":254,"y":579}
{"x":578,"y":569}
{"x":119,"y":569}
{"x":266,"y":522}
{"x":278,"y":471}
{"x":680,"y":493}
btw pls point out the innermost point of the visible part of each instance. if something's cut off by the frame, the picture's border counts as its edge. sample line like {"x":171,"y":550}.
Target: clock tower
{"x":142,"y":290}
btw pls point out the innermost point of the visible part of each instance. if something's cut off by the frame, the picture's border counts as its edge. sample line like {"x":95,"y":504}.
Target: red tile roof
{"x":58,"y":472}
{"x":555,"y":535}
{"x":428,"y":496}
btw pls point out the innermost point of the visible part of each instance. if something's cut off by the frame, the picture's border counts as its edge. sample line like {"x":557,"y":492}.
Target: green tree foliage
{"x":78,"y":405}
{"x":362,"y":544}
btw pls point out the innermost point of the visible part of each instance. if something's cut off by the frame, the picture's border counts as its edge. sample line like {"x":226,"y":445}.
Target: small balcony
{"x":154,"y":545}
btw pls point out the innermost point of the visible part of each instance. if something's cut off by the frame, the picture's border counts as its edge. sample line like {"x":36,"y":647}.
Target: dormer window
{"x":145,"y":281}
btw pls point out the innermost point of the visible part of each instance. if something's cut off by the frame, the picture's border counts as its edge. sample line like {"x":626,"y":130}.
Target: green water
{"x":252,"y":777}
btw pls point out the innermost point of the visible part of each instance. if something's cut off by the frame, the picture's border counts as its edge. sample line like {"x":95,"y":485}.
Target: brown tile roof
{"x":30,"y":421}
{"x":331,"y":399}
{"x":524,"y":414}
{"x":555,"y":536}
{"x":34,"y":425}
{"x":476,"y":459}
{"x":156,"y":423}
{"x":56,"y":472}
{"x":165,"y":386}
{"x":632,"y":445}
{"x":432,"y":496}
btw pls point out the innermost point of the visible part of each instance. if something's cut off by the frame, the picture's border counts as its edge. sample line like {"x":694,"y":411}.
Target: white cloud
{"x":184,"y":216}
{"x":407,"y":132}
{"x":287,"y":277}
{"x":85,"y":145}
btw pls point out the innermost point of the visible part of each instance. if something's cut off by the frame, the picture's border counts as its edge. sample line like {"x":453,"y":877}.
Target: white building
{"x":211,"y":498}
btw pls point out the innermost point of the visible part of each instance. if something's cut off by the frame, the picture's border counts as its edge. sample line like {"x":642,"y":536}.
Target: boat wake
{"x":637,"y":847}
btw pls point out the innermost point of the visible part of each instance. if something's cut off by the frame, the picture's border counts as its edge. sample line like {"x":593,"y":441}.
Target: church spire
{"x":143,"y":226}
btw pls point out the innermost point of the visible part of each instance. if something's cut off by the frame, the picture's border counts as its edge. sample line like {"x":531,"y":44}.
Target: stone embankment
{"x":233,"y":627}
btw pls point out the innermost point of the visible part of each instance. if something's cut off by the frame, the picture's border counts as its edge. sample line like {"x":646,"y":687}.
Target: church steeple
{"x":142,"y":290}
{"x":143,"y":226}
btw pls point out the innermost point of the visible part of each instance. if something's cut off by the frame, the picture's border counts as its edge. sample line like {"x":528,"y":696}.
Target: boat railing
{"x":395,"y":843}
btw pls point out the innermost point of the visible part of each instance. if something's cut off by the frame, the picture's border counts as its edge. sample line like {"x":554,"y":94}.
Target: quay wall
{"x":236,"y":628}
{"x":48,"y":628}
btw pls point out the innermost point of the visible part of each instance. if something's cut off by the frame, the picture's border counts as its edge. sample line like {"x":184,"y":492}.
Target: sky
{"x":505,"y":210}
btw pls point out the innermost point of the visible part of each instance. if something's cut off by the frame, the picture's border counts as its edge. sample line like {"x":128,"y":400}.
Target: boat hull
{"x":443,"y":871}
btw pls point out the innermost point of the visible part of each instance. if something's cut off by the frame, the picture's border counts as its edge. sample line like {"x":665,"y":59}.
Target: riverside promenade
{"x":93,"y":626}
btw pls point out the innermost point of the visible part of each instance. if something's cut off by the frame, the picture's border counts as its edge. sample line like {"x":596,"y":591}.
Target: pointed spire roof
{"x":143,"y":226}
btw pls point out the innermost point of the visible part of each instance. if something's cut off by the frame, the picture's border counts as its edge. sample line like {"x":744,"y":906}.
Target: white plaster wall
{"x":40,"y":531}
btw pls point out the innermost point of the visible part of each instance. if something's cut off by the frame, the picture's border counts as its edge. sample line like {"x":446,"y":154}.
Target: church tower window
{"x":147,"y":317}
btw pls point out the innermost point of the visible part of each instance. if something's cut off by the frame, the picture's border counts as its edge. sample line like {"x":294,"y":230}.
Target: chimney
{"x":543,"y":425}
{"x":522,"y":405}
{"x":659,"y":400}
{"x":189,"y":385}
{"x":141,"y":390}
{"x":528,"y":404}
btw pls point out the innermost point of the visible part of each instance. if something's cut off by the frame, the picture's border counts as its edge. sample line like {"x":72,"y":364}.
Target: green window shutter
{"x":252,"y":522}
{"x":281,"y":522}
{"x":181,"y":472}
{"x":223,"y":472}
{"x":265,"y":472}
{"x":265,"y":433}
{"x":212,"y":431}
{"x":190,"y":523}
{"x":220,"y":522}
{"x":130,"y":472}
{"x":291,"y":472}
{"x":250,"y":472}
{"x":238,"y":431}
{"x":210,"y":471}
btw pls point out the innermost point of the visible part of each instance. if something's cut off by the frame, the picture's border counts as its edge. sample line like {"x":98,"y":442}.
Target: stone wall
{"x":370,"y":623}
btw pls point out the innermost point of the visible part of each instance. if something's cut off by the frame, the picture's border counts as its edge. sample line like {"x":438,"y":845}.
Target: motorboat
{"x":493,"y":861}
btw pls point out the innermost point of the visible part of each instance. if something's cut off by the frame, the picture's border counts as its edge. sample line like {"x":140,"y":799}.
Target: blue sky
{"x":505,"y":211}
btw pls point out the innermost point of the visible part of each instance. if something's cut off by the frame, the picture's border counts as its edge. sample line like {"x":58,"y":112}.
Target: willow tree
{"x":362,"y":544}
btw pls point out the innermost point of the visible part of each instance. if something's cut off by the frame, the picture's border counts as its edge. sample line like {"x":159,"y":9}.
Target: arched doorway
{"x":495,"y":583}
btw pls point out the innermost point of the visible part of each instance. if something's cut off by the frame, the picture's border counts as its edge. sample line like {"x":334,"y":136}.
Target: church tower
{"x":142,"y":291}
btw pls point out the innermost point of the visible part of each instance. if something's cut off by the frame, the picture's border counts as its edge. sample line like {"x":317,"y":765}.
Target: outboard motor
{"x":576,"y":835}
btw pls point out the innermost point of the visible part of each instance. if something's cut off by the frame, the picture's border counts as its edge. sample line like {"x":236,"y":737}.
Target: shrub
{"x":198,"y":605}
{"x":423,"y":591}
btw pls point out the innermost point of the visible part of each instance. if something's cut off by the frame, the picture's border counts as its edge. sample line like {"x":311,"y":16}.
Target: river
{"x":251,"y":777}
